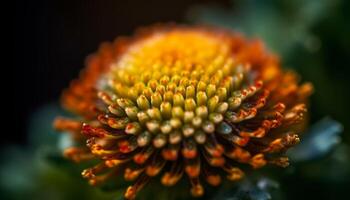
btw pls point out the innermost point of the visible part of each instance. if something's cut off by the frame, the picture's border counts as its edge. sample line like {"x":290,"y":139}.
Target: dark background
{"x":52,"y":39}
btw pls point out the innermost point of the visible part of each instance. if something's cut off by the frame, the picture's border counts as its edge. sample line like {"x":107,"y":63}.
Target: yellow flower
{"x":180,"y":101}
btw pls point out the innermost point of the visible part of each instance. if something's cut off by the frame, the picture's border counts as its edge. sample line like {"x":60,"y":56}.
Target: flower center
{"x":178,"y":84}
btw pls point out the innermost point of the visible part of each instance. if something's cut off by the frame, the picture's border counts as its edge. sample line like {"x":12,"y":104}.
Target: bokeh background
{"x":51,"y":40}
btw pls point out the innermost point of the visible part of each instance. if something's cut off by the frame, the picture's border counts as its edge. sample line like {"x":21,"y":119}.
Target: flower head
{"x":180,"y":101}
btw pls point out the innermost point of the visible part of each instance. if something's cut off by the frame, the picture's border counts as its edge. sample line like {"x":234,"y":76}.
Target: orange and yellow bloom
{"x":178,"y":101}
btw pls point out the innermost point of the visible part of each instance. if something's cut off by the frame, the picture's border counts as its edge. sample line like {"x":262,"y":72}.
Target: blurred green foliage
{"x":38,"y":171}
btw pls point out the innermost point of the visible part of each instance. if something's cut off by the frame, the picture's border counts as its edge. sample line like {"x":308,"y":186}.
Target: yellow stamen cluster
{"x":176,"y":85}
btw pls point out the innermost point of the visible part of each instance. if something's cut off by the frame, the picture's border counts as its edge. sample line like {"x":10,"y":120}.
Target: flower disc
{"x":176,"y":100}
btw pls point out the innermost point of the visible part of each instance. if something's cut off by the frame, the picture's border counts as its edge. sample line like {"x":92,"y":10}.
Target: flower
{"x":182,"y":100}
